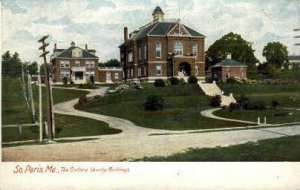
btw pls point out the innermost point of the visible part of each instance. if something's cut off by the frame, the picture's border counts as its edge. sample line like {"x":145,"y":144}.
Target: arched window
{"x":158,"y":50}
{"x":178,"y":50}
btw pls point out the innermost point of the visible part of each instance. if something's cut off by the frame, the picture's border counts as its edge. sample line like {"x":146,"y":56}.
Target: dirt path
{"x":134,"y":142}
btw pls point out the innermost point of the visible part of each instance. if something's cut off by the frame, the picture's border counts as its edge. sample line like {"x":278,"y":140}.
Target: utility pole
{"x":48,"y":88}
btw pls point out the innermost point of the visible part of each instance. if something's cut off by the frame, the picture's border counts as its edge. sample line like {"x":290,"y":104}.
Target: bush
{"x":242,"y":100}
{"x":159,"y":83}
{"x":216,"y":101}
{"x":122,"y":88}
{"x":192,"y":80}
{"x":81,"y":101}
{"x":181,"y":81}
{"x":234,"y":106}
{"x":275,"y":103}
{"x":209,"y":79}
{"x":65,"y":80}
{"x":174,"y":81}
{"x":233,"y":80}
{"x":257,"y":105}
{"x":154,"y":103}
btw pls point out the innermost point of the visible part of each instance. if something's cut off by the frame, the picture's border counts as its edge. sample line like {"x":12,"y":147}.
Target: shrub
{"x":242,"y":100}
{"x":122,"y":88}
{"x":192,"y":80}
{"x":216,"y":101}
{"x":174,"y":81}
{"x":209,"y":79}
{"x":275,"y":103}
{"x":159,"y":83}
{"x":154,"y":103}
{"x":181,"y":81}
{"x":257,"y":105}
{"x":81,"y":101}
{"x":65,"y":80}
{"x":233,"y":80}
{"x":234,"y":106}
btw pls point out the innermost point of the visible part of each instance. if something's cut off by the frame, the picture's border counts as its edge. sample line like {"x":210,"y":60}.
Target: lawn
{"x":66,"y":126}
{"x":14,"y":111}
{"x":273,"y":116}
{"x":288,"y":95}
{"x":181,"y":112}
{"x":287,"y":149}
{"x":292,"y":74}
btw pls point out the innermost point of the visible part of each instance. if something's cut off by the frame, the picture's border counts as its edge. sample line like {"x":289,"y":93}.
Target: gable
{"x":178,"y":30}
{"x":76,"y":52}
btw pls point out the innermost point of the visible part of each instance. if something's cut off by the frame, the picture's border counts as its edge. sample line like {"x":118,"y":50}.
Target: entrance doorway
{"x":185,"y":68}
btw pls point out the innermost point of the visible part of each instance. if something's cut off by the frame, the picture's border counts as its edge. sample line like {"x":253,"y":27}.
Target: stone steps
{"x":212,"y":89}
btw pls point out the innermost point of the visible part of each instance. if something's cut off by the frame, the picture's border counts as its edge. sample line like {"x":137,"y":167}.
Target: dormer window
{"x":76,"y":52}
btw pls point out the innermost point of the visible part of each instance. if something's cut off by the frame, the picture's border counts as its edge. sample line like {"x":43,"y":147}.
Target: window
{"x":89,"y":64}
{"x":158,"y":50}
{"x":89,"y":74}
{"x":77,"y":63}
{"x":145,"y":52}
{"x":140,"y":52}
{"x":116,"y":76}
{"x":178,"y":48}
{"x":64,"y":74}
{"x":195,"y":49}
{"x":130,"y":57}
{"x":76,"y":53}
{"x":131,"y":74}
{"x":64,"y":64}
{"x":158,"y":70}
{"x":139,"y":72}
{"x":145,"y":71}
{"x":196,"y":70}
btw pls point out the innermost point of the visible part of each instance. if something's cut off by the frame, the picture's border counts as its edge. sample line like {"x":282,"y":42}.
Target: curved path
{"x":134,"y":142}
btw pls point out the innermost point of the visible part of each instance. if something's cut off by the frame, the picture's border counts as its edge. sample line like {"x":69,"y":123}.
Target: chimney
{"x":55,"y":46}
{"x":125,"y":34}
{"x":86,"y":47}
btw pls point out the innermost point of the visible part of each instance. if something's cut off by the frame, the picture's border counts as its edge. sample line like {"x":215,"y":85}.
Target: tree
{"x":276,"y":54}
{"x":32,"y":67}
{"x":111,"y":63}
{"x":232,"y":43}
{"x":11,"y":65}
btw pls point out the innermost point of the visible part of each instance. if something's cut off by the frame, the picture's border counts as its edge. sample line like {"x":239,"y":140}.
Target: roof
{"x":157,"y":10}
{"x":161,"y":29}
{"x":229,"y":63}
{"x":67,"y":53}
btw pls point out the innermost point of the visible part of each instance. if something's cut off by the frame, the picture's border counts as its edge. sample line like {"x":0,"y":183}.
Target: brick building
{"x":74,"y":63}
{"x":228,"y":68}
{"x":162,"y":49}
{"x":110,"y":74}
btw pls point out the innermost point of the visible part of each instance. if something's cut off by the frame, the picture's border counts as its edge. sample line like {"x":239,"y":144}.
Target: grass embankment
{"x":287,"y":95}
{"x":287,"y":149}
{"x":14,"y":111}
{"x":292,"y":74}
{"x":181,"y":112}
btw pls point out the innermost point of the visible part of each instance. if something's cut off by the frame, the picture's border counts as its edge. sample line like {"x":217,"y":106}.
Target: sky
{"x":100,"y":23}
